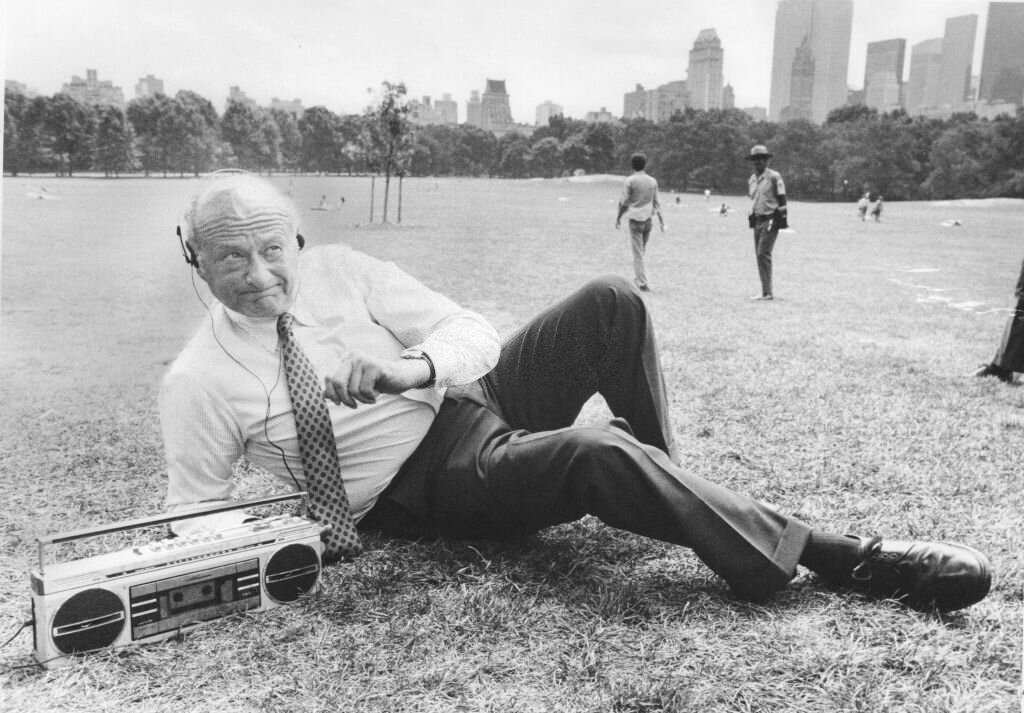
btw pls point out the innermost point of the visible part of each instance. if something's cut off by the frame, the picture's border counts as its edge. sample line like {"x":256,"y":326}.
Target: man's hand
{"x":618,"y":223}
{"x":361,"y":378}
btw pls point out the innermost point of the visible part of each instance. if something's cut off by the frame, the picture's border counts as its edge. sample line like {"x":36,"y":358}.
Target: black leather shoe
{"x":922,"y":575}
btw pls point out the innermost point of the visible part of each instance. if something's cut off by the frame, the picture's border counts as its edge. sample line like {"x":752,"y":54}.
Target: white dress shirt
{"x":226,"y":396}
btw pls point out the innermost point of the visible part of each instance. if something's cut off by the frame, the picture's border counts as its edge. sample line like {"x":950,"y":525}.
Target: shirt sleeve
{"x":201,"y":444}
{"x":462,"y":344}
{"x":780,"y":186}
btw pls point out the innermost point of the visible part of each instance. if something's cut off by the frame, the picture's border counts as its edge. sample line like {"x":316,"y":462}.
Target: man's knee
{"x":601,"y":447}
{"x":614,"y":292}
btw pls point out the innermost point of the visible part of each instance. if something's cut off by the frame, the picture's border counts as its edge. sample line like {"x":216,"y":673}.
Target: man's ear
{"x":193,"y":259}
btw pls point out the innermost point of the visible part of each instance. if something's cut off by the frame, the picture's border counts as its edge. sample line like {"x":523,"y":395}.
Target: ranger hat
{"x":759,"y":151}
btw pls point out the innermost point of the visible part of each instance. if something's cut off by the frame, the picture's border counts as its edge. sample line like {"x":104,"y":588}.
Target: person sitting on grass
{"x":435,"y":428}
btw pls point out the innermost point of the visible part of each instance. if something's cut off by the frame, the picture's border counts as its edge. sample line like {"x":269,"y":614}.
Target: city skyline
{"x":577,"y":55}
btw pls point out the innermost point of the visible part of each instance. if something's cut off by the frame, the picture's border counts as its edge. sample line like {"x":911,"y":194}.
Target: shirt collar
{"x":255,"y":325}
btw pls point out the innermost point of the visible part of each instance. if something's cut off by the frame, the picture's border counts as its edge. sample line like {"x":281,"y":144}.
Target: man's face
{"x":251,"y":268}
{"x":759,"y":163}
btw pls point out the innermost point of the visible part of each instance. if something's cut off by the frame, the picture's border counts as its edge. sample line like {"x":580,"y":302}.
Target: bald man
{"x":441,"y":430}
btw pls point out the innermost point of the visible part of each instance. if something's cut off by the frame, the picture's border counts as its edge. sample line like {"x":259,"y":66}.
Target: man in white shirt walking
{"x":639,"y":203}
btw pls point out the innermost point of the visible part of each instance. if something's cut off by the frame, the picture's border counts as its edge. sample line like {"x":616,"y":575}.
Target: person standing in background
{"x":876,"y":211}
{"x":1009,"y":356}
{"x":639,"y":203}
{"x":862,"y":205}
{"x":768,"y":214}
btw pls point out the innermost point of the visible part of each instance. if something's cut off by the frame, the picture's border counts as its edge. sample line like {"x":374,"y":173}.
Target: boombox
{"x":154,"y":591}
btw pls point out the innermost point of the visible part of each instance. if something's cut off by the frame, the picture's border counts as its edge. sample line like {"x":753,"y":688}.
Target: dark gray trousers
{"x":765,"y":234}
{"x":503,"y":457}
{"x":1010,"y":354}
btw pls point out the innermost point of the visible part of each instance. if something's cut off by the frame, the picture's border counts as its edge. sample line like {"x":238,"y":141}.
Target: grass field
{"x":847,"y":401}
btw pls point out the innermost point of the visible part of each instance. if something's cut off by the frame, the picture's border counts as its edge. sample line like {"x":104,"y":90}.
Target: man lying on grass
{"x":400,"y":412}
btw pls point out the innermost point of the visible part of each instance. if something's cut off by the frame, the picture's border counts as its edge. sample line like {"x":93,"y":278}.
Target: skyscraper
{"x":922,"y":90}
{"x":728,"y":97}
{"x":93,"y":90}
{"x":826,"y":25}
{"x":148,"y":86}
{"x":704,"y":76}
{"x":657,"y":105}
{"x":473,"y":109}
{"x":494,"y":108}
{"x":801,"y":85}
{"x":545,"y":111}
{"x":957,"y":54}
{"x":447,"y":109}
{"x":1002,"y":64}
{"x":883,"y":74}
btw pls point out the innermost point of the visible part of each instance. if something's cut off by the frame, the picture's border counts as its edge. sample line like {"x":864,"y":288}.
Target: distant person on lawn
{"x":876,"y":210}
{"x":639,"y":203}
{"x":862,"y":205}
{"x":440,"y":430}
{"x":1009,"y":356}
{"x":768,"y":214}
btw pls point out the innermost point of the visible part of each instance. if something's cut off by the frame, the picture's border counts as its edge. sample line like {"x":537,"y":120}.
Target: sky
{"x":580,"y":54}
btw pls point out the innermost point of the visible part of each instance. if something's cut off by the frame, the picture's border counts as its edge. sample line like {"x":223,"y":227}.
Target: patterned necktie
{"x":318,"y":450}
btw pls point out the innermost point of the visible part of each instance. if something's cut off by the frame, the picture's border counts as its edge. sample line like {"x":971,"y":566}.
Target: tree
{"x":473,"y":151}
{"x":575,"y":153}
{"x":71,"y":126}
{"x":798,"y":151}
{"x":114,"y":142}
{"x":200,"y":148}
{"x":388,"y":135}
{"x":600,"y":142}
{"x":319,"y":140}
{"x":513,"y":152}
{"x":291,"y":139}
{"x":266,"y":143}
{"x":545,"y":159}
{"x":23,"y":120}
{"x":958,"y":161}
{"x":144,"y":115}
{"x":851,"y":113}
{"x":1007,"y":154}
{"x":239,"y":128}
{"x":425,"y":150}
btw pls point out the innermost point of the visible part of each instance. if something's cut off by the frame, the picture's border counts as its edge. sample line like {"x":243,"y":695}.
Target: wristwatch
{"x":420,"y":354}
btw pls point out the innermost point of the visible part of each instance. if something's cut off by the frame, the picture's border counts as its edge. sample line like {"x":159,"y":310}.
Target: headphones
{"x":192,"y":259}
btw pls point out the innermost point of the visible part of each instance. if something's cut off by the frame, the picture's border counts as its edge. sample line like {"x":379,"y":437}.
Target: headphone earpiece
{"x":187,"y":252}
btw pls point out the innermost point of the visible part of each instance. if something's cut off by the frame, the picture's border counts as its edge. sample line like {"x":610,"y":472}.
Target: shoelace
{"x":862,"y":572}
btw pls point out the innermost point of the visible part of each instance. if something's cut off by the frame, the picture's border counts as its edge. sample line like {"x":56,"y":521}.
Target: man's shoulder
{"x":641,"y":178}
{"x":331,"y":262}
{"x":195,"y":357}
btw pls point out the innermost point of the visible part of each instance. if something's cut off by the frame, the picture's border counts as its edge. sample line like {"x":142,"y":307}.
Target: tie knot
{"x":284,"y":325}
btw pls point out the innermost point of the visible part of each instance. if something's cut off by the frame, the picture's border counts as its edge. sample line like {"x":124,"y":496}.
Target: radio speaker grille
{"x":91,"y":619}
{"x":291,"y":571}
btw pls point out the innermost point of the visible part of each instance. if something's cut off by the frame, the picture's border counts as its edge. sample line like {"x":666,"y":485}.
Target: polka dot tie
{"x":318,"y":449}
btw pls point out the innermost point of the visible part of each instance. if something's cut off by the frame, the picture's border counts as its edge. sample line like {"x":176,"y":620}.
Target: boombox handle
{"x":137,"y":523}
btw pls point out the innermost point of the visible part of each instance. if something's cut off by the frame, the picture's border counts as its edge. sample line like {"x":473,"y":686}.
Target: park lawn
{"x":847,"y":401}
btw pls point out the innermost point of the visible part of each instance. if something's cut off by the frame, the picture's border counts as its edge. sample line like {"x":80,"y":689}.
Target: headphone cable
{"x":267,"y":392}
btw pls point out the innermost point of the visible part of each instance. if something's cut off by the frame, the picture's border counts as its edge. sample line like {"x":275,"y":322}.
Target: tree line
{"x":856,"y":150}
